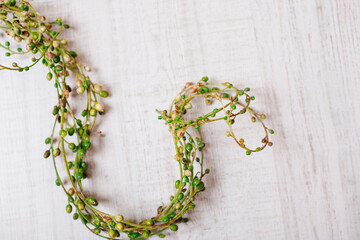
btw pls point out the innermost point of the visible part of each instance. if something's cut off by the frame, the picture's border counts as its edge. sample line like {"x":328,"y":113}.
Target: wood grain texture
{"x":301,"y":60}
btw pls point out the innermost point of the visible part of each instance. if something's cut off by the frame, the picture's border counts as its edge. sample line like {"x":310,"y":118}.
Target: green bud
{"x":68,"y":208}
{"x":75,"y":216}
{"x":55,"y":110}
{"x":71,"y":131}
{"x":57,"y":182}
{"x":173,"y":227}
{"x":47,"y":140}
{"x":177,"y":183}
{"x":92,"y":201}
{"x":189,"y":147}
{"x":103,"y":94}
{"x":73,"y":54}
{"x":62,"y":133}
{"x":150,"y":222}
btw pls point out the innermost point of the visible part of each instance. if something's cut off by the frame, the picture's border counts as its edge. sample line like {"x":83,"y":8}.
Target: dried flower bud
{"x":18,"y":39}
{"x":26,"y":34}
{"x":49,"y":55}
{"x":65,"y":93}
{"x":193,"y":90}
{"x":88,"y":69}
{"x":180,"y":133}
{"x":97,"y":88}
{"x":177,"y":157}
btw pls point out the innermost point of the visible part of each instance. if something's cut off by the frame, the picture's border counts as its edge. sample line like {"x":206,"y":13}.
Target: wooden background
{"x":301,"y":60}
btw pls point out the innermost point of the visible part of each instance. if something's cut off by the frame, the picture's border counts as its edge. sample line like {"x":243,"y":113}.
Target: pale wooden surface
{"x":301,"y":59}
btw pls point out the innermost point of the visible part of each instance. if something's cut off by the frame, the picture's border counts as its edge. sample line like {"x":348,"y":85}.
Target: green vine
{"x":70,"y":138}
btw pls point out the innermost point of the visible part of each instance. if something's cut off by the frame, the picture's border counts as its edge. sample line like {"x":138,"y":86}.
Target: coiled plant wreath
{"x":24,"y":24}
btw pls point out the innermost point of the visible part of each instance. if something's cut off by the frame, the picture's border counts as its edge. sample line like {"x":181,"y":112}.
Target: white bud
{"x":119,"y":218}
{"x":56,"y":44}
{"x":99,"y":107}
{"x":97,"y":88}
{"x":42,"y":29}
{"x":188,"y":106}
{"x":63,"y":41}
{"x":80,"y":90}
{"x":187,"y":173}
{"x":178,"y":97}
{"x":79,"y":83}
{"x":67,"y":58}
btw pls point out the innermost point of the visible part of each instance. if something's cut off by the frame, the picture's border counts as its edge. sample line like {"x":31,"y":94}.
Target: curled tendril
{"x":21,"y":22}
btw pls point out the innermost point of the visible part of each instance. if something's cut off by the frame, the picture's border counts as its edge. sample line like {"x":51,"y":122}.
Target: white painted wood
{"x":301,"y":59}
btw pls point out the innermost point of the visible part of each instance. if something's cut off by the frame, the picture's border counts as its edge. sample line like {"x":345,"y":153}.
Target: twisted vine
{"x":73,"y":133}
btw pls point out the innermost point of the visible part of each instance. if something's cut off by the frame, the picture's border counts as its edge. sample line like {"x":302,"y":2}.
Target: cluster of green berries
{"x":72,"y":133}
